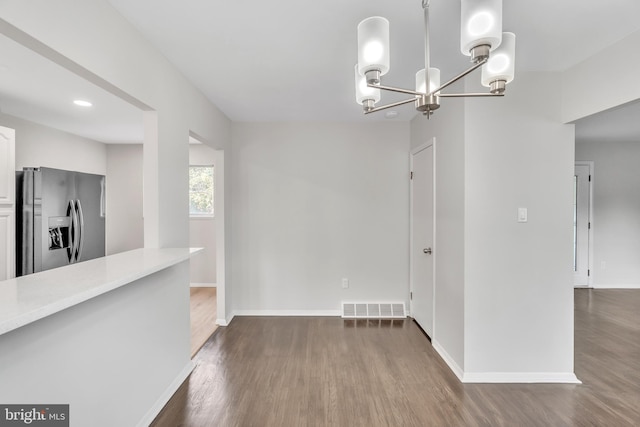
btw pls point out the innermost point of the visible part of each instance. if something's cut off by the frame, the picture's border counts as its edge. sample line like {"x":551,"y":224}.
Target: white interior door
{"x":581,"y":224}
{"x":7,"y":203}
{"x":422,"y":217}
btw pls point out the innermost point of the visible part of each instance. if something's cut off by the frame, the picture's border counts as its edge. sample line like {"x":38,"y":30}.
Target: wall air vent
{"x":375,"y":310}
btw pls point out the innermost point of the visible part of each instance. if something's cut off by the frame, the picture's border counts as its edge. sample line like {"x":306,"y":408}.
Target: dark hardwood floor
{"x":273,"y":371}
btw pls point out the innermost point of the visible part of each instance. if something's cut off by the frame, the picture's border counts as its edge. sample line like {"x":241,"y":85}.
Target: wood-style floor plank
{"x":203,"y":310}
{"x":270,"y":371}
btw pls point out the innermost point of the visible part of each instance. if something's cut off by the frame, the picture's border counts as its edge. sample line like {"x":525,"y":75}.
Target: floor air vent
{"x":367,"y":310}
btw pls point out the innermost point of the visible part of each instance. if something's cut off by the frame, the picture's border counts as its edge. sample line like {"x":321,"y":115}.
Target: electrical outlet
{"x":345,"y":283}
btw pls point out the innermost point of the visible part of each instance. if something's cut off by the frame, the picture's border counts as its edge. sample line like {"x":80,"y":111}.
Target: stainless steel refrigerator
{"x":60,"y":218}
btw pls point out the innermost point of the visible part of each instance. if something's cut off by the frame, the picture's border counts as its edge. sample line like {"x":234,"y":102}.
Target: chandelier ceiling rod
{"x":427,"y":49}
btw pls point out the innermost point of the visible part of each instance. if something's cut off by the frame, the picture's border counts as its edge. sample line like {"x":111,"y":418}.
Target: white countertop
{"x":29,"y":298}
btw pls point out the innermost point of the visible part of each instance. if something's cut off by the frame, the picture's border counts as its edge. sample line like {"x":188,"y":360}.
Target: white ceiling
{"x":34,"y":88}
{"x":292,"y":60}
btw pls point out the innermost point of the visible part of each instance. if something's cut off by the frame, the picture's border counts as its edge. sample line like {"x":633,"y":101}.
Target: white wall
{"x":314,"y":203}
{"x":605,"y":80}
{"x":202,"y":230}
{"x":616,"y":211}
{"x":125,"y":225}
{"x":38,"y":145}
{"x":519,"y":289}
{"x":447,"y":126}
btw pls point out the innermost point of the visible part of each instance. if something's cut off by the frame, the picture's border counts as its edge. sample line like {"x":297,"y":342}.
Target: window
{"x":201,"y":191}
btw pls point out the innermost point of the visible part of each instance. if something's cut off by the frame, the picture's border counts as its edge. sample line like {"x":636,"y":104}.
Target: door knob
{"x":427,"y":251}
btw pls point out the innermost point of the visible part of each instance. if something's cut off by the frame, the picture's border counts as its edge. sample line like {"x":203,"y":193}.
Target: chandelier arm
{"x":395,"y":104}
{"x":459,"y":76}
{"x":470,"y":95}
{"x":397,"y":89}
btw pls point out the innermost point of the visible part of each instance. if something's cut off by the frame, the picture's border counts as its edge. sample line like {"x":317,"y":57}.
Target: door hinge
{"x":588,"y":273}
{"x":411,"y":295}
{"x":589,"y":178}
{"x":411,"y":176}
{"x":589,"y":226}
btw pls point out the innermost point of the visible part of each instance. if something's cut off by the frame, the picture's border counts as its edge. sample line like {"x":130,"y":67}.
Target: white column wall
{"x":518,"y":290}
{"x":222,"y":202}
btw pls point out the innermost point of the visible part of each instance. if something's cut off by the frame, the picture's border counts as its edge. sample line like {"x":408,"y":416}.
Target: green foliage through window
{"x":200,"y":190}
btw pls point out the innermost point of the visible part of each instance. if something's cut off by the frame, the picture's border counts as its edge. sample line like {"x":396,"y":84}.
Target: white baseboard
{"x":153,"y":412}
{"x":521,"y":377}
{"x":504,"y":377}
{"x":227,"y":321}
{"x":202,"y":285}
{"x":286,"y":313}
{"x":223,"y":322}
{"x":448,"y":359}
{"x":623,"y":286}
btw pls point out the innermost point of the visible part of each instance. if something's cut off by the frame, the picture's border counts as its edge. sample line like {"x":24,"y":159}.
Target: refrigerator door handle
{"x":80,"y":240}
{"x":71,"y":250}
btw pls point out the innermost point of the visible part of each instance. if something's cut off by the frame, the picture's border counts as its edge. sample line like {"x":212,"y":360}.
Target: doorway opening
{"x":582,"y":242}
{"x":422,"y":237}
{"x":203,"y":227}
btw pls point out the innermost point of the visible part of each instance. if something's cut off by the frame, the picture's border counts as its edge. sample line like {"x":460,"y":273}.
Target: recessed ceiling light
{"x":81,"y":103}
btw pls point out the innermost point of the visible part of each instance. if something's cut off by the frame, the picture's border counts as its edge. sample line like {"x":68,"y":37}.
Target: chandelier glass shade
{"x":373,"y":45}
{"x":481,"y":24}
{"x":421,"y":80}
{"x":481,"y":38}
{"x":501,"y":64}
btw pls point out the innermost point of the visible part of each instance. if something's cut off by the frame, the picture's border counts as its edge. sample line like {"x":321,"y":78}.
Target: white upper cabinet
{"x":7,"y":203}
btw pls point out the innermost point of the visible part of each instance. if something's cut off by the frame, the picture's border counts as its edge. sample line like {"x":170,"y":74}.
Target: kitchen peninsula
{"x":109,"y":336}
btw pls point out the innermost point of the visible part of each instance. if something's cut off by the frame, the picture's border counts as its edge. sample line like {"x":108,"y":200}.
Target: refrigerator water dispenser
{"x":59,"y":229}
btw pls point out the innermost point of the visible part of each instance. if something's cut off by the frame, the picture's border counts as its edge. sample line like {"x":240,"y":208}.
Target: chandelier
{"x":481,"y":38}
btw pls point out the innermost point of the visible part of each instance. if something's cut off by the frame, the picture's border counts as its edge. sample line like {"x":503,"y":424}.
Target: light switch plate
{"x":522,"y":215}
